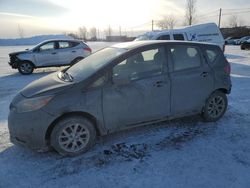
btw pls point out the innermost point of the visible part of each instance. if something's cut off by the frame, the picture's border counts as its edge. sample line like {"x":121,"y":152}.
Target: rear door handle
{"x":204,"y":74}
{"x":73,"y":51}
{"x":53,"y":53}
{"x":159,"y":83}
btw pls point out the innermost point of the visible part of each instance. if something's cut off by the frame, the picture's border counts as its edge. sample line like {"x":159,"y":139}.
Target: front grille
{"x":12,"y":58}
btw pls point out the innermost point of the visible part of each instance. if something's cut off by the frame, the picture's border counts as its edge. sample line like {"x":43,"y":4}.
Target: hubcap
{"x":74,"y":137}
{"x":26,"y":67}
{"x":216,"y":106}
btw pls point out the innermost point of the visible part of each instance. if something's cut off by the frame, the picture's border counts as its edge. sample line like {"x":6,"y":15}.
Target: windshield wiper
{"x":65,"y":76}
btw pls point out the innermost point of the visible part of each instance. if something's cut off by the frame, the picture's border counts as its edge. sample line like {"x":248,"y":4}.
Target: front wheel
{"x":25,"y":67}
{"x":215,"y":107}
{"x":73,"y":135}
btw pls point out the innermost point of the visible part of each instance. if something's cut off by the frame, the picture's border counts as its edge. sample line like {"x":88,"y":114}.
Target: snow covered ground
{"x":181,"y":153}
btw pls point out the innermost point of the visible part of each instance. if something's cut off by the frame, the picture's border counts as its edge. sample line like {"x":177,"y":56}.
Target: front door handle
{"x":73,"y":51}
{"x":53,"y":53}
{"x":204,"y":74}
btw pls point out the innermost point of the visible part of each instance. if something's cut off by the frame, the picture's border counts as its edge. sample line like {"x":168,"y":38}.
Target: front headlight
{"x":32,"y":104}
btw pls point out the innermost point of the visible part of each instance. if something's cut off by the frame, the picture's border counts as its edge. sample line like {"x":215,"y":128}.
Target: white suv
{"x":50,"y":53}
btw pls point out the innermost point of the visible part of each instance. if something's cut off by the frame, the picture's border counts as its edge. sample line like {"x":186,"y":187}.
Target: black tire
{"x":76,"y":60}
{"x":215,"y":107}
{"x":64,"y":140}
{"x":25,"y":67}
{"x":242,"y":47}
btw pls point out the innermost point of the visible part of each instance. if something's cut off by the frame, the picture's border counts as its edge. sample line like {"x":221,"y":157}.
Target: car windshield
{"x":88,"y":66}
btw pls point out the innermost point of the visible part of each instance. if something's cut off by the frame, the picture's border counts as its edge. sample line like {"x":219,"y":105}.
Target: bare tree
{"x":234,"y":21}
{"x":73,"y":35}
{"x":20,"y":31}
{"x":167,"y":22}
{"x":190,"y":16}
{"x":93,"y":33}
{"x":108,"y":31}
{"x":83,"y":32}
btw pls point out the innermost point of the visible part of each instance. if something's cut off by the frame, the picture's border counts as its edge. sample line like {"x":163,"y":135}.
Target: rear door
{"x":66,"y":54}
{"x":140,"y":91}
{"x":191,"y":79}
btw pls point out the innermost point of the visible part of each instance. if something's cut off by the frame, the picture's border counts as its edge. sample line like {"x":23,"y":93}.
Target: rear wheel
{"x":25,"y":67}
{"x":215,"y":107}
{"x":73,"y":135}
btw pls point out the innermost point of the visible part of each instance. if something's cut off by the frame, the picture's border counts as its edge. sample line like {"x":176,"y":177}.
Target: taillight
{"x":227,"y":69}
{"x":87,"y":49}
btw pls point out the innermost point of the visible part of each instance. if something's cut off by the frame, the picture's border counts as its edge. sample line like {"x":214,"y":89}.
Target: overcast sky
{"x":58,"y":16}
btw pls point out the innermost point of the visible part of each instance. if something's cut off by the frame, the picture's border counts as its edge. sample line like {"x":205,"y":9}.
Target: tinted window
{"x":185,"y":57}
{"x":178,"y":37}
{"x":47,"y":46}
{"x":141,"y":65}
{"x":164,"y":37}
{"x":212,"y":55}
{"x":64,"y":44}
{"x":73,"y":44}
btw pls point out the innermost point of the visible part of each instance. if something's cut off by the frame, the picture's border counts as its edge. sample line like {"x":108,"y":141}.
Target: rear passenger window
{"x":211,"y":55}
{"x":185,"y":57}
{"x":178,"y":37}
{"x":64,"y":45}
{"x":164,"y":37}
{"x":73,"y":44}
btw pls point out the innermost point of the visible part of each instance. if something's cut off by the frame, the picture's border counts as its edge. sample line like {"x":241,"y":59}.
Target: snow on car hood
{"x":49,"y":84}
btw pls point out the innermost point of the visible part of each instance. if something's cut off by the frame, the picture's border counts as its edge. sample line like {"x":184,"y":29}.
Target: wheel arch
{"x":65,"y":115}
{"x":24,"y":60}
{"x":223,"y":90}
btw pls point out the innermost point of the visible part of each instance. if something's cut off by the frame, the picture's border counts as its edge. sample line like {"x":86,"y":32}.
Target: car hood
{"x":19,"y":52}
{"x":49,"y":84}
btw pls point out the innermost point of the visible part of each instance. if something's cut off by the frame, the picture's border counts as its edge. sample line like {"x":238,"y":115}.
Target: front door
{"x":140,"y":91}
{"x":191,"y":79}
{"x":47,"y":55}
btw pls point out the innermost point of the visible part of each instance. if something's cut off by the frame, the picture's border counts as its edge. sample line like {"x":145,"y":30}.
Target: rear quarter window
{"x":212,"y":54}
{"x":73,"y":44}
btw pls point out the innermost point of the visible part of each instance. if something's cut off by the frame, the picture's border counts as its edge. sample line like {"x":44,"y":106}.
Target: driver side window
{"x":144,"y":64}
{"x":47,"y":46}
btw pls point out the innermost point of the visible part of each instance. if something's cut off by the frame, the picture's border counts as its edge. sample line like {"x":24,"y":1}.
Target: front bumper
{"x":29,"y":129}
{"x":13,"y":62}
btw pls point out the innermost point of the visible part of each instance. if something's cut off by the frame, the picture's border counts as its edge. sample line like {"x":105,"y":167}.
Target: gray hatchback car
{"x":120,"y":87}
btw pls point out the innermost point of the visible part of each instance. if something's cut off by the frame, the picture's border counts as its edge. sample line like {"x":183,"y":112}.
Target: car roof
{"x":137,"y":44}
{"x":66,"y":40}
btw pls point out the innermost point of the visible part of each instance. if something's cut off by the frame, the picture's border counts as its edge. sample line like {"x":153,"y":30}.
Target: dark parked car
{"x":245,"y":45}
{"x":120,"y":87}
{"x":231,"y":40}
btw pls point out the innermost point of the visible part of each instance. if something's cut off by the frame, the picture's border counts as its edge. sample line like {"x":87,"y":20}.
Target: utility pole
{"x":152,"y":25}
{"x":220,"y":17}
